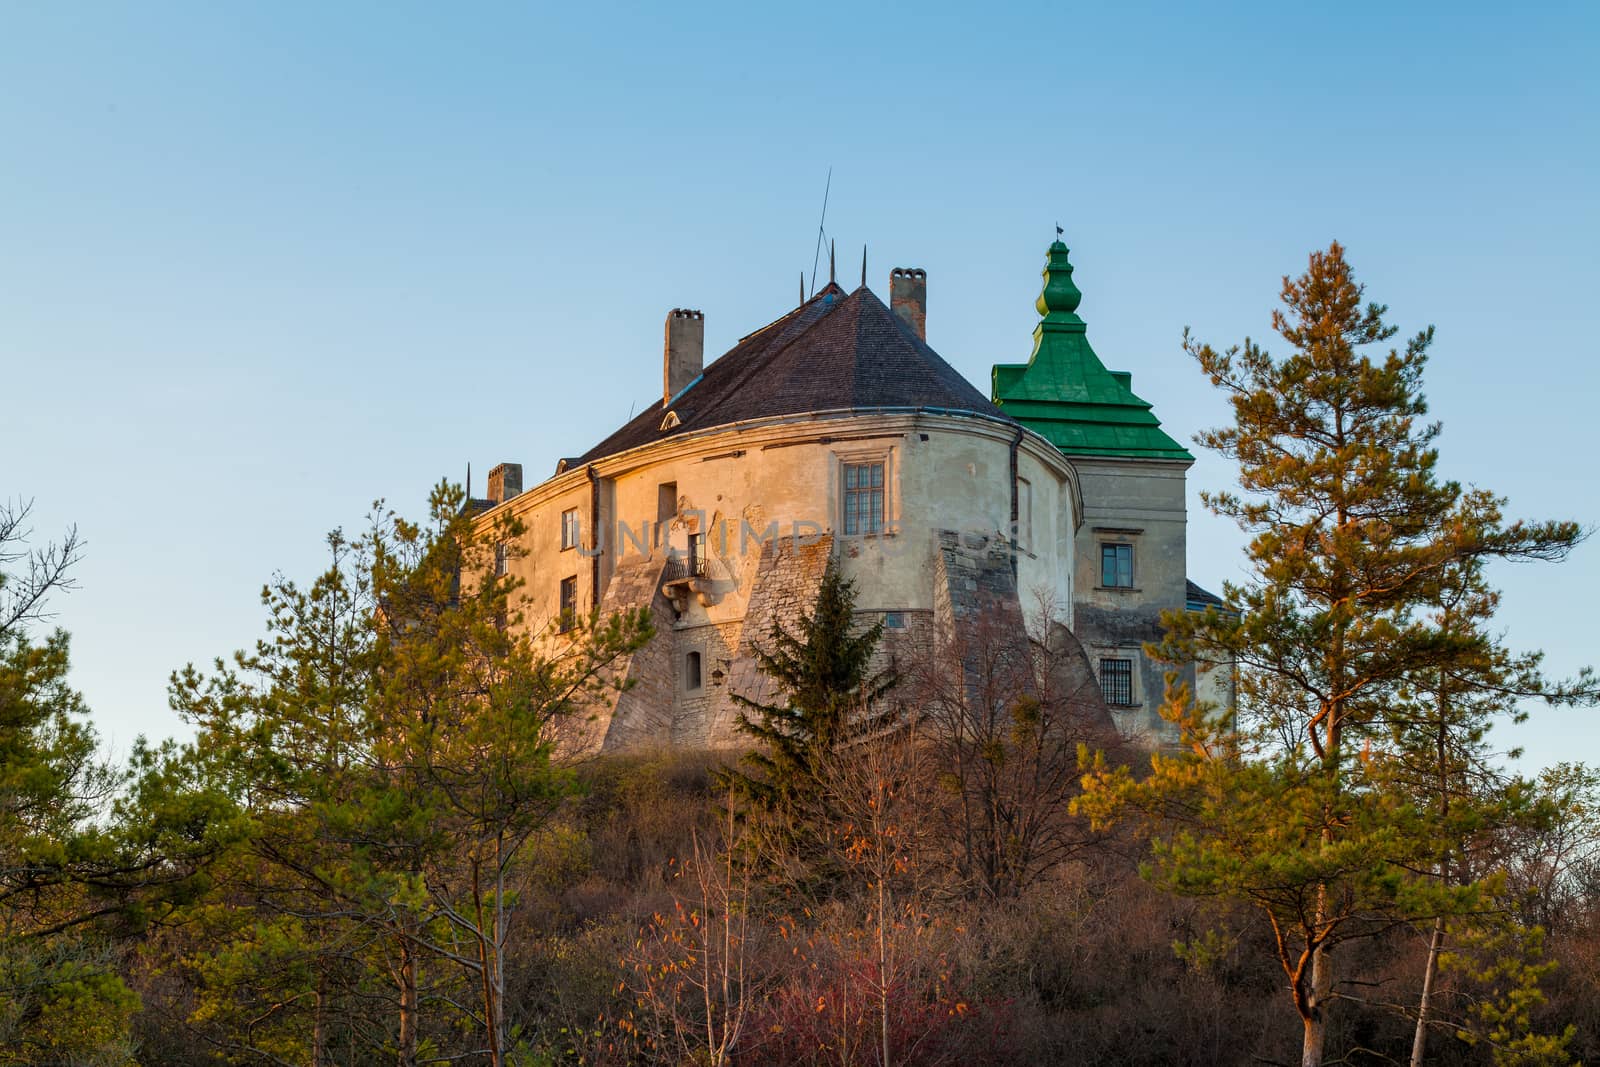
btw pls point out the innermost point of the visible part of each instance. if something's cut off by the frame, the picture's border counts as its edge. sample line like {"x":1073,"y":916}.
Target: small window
{"x":1116,"y":681}
{"x":894,"y":620}
{"x":691,"y":671}
{"x":1116,"y":566}
{"x":863,"y":499}
{"x":569,"y":529}
{"x":502,"y":564}
{"x":569,"y":603}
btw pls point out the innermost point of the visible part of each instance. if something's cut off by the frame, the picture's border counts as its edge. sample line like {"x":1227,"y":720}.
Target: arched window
{"x":691,"y":671}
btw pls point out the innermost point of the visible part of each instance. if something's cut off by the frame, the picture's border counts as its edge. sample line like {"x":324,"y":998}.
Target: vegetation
{"x":381,"y":847}
{"x":1343,"y":798}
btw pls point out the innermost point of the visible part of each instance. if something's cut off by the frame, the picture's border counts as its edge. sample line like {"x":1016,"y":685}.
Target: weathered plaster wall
{"x":768,"y":499}
{"x":1140,"y":503}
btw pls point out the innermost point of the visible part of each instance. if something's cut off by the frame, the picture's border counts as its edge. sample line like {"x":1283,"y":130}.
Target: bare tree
{"x":876,"y":787}
{"x":24,"y":595}
{"x":1004,"y":716}
{"x":692,"y":972}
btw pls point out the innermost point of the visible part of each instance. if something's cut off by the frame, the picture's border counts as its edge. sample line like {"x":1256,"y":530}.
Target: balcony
{"x":686,"y":576}
{"x":685,"y":568}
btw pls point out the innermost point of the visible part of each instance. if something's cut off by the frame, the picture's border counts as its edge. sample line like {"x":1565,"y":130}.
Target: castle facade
{"x":1052,"y":509}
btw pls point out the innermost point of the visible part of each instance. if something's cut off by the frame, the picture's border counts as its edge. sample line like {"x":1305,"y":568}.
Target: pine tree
{"x":830,"y":697}
{"x":1288,"y":806}
{"x":392,"y":741}
{"x":1439,"y":753}
{"x":88,"y":850}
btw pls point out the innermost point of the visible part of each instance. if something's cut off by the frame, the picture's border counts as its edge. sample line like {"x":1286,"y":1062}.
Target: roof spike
{"x":833,"y":278}
{"x":802,"y":288}
{"x":863,"y":265}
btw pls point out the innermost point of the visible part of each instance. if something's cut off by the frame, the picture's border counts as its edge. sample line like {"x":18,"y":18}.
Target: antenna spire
{"x":863,"y":266}
{"x":802,"y":287}
{"x":832,"y":274}
{"x":815,"y":255}
{"x":469,"y":482}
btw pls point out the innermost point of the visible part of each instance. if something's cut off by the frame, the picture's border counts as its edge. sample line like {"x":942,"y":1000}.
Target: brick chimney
{"x":505,"y":482}
{"x":685,"y":354}
{"x":908,"y":298}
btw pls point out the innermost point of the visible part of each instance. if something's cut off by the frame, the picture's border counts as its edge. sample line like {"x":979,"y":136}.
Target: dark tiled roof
{"x":1199,"y":599}
{"x":834,"y":351}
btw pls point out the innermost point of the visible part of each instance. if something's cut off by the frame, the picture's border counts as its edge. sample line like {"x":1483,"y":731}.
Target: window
{"x":1116,"y":566}
{"x":894,"y":620}
{"x":569,"y":529}
{"x":697,"y":553}
{"x":863,"y":498}
{"x":569,"y":603}
{"x":1116,"y":681}
{"x":666,"y":509}
{"x":502,"y":564}
{"x":691,"y":671}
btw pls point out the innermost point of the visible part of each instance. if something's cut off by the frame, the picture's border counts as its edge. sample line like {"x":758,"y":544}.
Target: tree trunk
{"x":408,"y":1003}
{"x":486,"y":969}
{"x":1311,"y":1048}
{"x":1316,"y":1018}
{"x":1419,"y":1043}
{"x":884,"y":865}
{"x":321,"y":1002}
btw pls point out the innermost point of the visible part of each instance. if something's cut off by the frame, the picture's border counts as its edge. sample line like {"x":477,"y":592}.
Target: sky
{"x":262,"y":264}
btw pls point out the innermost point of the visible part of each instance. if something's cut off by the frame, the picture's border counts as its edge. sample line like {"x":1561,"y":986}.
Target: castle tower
{"x":1130,"y":547}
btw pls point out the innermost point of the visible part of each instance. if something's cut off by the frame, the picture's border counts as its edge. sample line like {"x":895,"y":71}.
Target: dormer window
{"x":671,"y":421}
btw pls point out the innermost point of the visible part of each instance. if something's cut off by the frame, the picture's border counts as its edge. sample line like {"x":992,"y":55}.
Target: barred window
{"x":569,"y":603}
{"x":863,"y":498}
{"x":1116,"y":566}
{"x":1116,"y":681}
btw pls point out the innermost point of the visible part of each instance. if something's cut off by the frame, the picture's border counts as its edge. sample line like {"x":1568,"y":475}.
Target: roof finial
{"x":802,"y":288}
{"x":832,"y":274}
{"x":1059,"y":299}
{"x":863,"y":266}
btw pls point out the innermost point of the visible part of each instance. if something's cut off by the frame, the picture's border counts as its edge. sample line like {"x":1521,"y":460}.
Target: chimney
{"x":908,"y":298}
{"x":685,"y":353}
{"x":505,"y":482}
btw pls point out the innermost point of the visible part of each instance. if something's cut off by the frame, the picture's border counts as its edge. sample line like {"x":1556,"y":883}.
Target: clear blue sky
{"x":261,"y":264}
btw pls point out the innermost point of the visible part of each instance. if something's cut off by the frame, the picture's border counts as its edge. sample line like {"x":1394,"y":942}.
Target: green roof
{"x":1066,"y":395}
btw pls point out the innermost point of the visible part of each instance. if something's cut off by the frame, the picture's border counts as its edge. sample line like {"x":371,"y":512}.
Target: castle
{"x":1056,"y":504}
